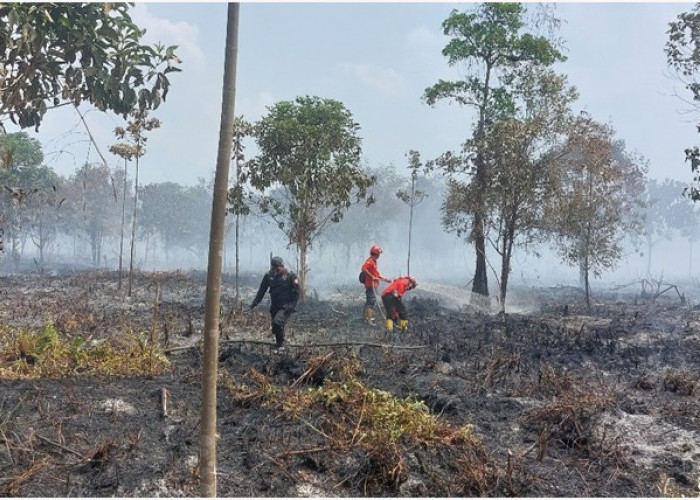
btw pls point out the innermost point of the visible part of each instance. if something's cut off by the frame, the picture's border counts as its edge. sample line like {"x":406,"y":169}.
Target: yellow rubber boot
{"x":403,"y":324}
{"x":390,"y":325}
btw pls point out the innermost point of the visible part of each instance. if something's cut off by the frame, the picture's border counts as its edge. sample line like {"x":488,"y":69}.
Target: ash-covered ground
{"x":561,"y":402}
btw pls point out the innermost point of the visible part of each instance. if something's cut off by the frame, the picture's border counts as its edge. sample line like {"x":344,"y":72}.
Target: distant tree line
{"x":531,"y":171}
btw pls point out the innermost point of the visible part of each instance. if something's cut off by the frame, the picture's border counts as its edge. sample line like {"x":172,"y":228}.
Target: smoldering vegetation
{"x":555,"y":401}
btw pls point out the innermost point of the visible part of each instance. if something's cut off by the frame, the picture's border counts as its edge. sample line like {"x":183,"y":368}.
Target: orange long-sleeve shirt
{"x":371,"y":272}
{"x":398,"y":287}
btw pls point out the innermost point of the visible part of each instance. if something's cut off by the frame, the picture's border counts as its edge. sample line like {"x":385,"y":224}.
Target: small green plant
{"x":348,"y":415}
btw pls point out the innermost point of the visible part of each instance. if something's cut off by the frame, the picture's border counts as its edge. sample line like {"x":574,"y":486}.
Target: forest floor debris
{"x":552,"y":401}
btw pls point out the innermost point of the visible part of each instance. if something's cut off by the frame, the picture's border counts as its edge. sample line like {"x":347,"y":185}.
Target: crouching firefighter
{"x":370,"y":271}
{"x":284,"y":295}
{"x":396,"y":312}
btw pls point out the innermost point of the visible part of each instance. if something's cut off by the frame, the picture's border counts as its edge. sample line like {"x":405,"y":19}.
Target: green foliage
{"x":498,"y":49}
{"x":46,"y":353}
{"x":30,"y":193}
{"x":19,"y":150}
{"x":380,"y":418}
{"x":66,"y":53}
{"x":242,"y":130}
{"x":310,"y":147}
{"x":520,"y":170}
{"x":490,"y":39}
{"x":683,"y":56}
{"x":308,"y":169}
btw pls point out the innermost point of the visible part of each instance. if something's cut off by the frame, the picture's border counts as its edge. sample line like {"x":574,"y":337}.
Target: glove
{"x":403,"y":324}
{"x":288,"y":308}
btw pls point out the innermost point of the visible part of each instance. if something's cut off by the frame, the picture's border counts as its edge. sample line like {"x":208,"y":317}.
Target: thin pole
{"x":207,"y":450}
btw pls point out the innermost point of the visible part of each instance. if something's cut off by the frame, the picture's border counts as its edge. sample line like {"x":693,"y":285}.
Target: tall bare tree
{"x":210,"y":356}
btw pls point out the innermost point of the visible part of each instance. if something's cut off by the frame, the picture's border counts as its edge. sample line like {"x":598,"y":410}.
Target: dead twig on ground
{"x":304,"y":346}
{"x":12,"y":488}
{"x":315,"y":366}
{"x":59,"y":445}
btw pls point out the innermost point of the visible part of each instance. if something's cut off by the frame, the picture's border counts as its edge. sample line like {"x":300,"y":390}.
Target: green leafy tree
{"x":494,"y":44}
{"x":599,"y":202}
{"x":66,"y":53}
{"x":308,"y":169}
{"x":522,"y":157}
{"x":20,"y":160}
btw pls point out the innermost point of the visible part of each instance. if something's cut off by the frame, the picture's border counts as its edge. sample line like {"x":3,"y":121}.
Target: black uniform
{"x":284,"y":295}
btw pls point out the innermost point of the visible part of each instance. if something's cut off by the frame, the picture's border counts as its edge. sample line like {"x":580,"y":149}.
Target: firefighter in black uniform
{"x":284,"y":295}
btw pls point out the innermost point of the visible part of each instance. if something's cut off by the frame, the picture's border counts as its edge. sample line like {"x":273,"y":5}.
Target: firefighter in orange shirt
{"x":394,"y":306}
{"x":372,"y":277}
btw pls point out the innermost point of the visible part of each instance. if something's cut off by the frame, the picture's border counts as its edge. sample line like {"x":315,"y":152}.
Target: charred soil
{"x":553,"y":402}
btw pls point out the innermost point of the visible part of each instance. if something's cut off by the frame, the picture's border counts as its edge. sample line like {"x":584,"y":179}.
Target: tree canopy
{"x":308,"y":169}
{"x":495,"y":44}
{"x":66,"y":53}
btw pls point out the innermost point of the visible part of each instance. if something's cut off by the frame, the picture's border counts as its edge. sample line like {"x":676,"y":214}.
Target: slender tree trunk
{"x":481,"y":285}
{"x":207,"y":444}
{"x":238,"y":221}
{"x":237,"y":234}
{"x":302,"y":268}
{"x":586,"y":265}
{"x":121,"y":235}
{"x":505,"y":267}
{"x":133,"y":227}
{"x":41,"y":242}
{"x":410,"y":224}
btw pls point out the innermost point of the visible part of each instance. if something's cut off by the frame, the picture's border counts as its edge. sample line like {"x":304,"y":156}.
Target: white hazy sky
{"x":378,"y":58}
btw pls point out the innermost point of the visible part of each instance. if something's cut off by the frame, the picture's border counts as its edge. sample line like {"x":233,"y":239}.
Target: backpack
{"x":362,"y":277}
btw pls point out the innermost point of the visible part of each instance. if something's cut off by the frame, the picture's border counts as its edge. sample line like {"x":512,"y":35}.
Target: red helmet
{"x":375,"y":250}
{"x":413,"y":281}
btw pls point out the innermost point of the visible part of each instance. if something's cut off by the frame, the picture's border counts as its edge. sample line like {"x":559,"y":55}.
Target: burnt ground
{"x":561,"y":402}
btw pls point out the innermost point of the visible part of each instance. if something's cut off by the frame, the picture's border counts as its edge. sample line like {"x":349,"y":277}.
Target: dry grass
{"x":569,"y":417}
{"x":351,"y":418}
{"x":683,"y":382}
